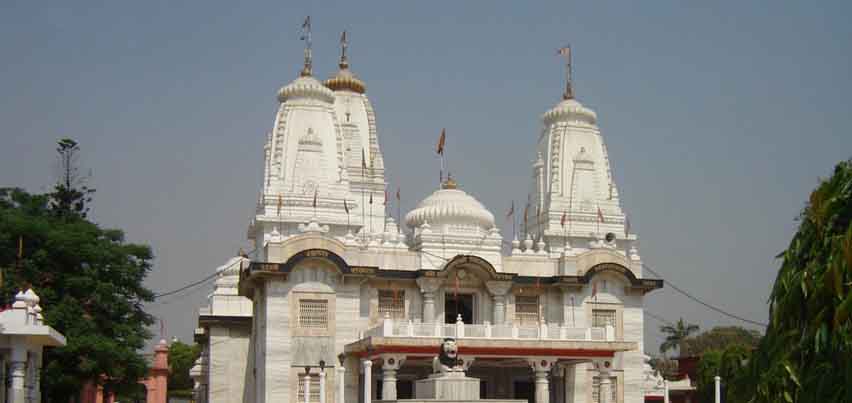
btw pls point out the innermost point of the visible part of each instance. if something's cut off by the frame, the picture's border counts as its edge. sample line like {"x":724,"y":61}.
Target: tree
{"x":90,"y":283}
{"x":719,"y":338}
{"x":70,"y":194}
{"x":666,"y":367}
{"x":729,"y":364}
{"x":806,"y":355}
{"x":182,"y":358}
{"x":675,"y":335}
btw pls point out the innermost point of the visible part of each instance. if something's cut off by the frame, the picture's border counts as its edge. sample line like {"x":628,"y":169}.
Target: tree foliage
{"x":675,"y":335}
{"x":90,"y":283}
{"x":182,"y":357}
{"x":719,"y":338}
{"x":806,"y":355}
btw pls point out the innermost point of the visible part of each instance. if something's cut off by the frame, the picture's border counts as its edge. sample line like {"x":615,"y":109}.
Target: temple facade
{"x":340,"y":303}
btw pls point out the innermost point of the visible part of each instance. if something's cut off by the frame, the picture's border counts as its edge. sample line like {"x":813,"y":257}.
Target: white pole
{"x":341,"y":372}
{"x":368,"y":372}
{"x":307,"y":388}
{"x":718,"y":389}
{"x":665,"y":391}
{"x":322,"y":385}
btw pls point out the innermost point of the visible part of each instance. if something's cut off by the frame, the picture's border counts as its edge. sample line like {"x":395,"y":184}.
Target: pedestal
{"x":449,"y":386}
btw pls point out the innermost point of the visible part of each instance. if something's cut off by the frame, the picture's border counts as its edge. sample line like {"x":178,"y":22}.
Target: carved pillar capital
{"x":498,"y":288}
{"x":429,"y":284}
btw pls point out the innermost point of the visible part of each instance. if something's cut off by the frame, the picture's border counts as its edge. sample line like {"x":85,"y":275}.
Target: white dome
{"x":450,"y":206}
{"x":306,"y":87}
{"x":570,"y":110}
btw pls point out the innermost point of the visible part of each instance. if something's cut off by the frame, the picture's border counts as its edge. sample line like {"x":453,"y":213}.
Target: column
{"x":541,"y":366}
{"x":368,"y":372}
{"x":605,"y":391}
{"x":322,"y":385}
{"x":498,"y":290}
{"x":391,"y":364}
{"x":18,"y":373}
{"x":307,"y":387}
{"x":717,"y":389}
{"x":341,"y":383}
{"x":428,"y":286}
{"x":37,"y":377}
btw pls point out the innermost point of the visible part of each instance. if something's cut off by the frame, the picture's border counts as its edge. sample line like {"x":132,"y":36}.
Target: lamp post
{"x":307,"y":377}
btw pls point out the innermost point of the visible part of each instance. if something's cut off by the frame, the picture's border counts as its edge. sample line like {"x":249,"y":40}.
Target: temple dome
{"x":450,"y":206}
{"x":305,"y":87}
{"x":570,"y":110}
{"x":346,"y":80}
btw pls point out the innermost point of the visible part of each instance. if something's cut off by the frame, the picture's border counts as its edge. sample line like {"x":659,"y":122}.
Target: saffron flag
{"x":397,"y":193}
{"x":526,"y":214}
{"x":600,"y":214}
{"x":441,"y":141}
{"x":566,"y":51}
{"x":315,"y":198}
{"x":511,"y":210}
{"x":345,"y":206}
{"x":280,"y":203}
{"x":564,"y":216}
{"x":386,"y":197}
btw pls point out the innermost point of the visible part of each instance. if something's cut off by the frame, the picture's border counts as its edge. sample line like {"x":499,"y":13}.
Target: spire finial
{"x":569,"y":88}
{"x":344,"y":44}
{"x":306,"y":36}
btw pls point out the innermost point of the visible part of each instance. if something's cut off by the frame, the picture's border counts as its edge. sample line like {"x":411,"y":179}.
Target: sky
{"x":719,"y":117}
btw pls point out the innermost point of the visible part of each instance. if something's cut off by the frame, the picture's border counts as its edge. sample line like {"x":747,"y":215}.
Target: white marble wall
{"x":228,"y":364}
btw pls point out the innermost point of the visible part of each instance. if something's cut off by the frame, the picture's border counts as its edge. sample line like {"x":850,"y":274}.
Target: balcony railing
{"x":542,"y":331}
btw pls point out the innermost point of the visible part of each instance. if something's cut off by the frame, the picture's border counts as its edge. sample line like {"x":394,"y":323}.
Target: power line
{"x":698,"y":300}
{"x":199,"y":282}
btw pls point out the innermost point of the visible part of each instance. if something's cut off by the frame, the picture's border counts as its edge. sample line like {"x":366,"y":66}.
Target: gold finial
{"x":569,"y":87}
{"x":450,"y":183}
{"x":306,"y":36}
{"x":344,"y":44}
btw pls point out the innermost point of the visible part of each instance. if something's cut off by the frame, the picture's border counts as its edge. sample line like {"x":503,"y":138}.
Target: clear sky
{"x":719,"y":117}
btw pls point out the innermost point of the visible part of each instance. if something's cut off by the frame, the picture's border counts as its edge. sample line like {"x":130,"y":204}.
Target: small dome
{"x":570,"y":110}
{"x":450,"y":206}
{"x":305,"y":87}
{"x":346,"y":80}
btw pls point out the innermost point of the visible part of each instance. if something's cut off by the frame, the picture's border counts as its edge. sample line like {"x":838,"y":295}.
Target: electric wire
{"x":199,"y":282}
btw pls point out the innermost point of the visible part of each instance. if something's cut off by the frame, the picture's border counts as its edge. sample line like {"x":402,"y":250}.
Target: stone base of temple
{"x":448,"y":386}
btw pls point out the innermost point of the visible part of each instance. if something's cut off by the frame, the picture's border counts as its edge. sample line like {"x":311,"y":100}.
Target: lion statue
{"x":448,"y":358}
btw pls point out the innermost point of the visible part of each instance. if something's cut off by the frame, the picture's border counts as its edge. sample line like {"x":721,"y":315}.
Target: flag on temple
{"x":526,"y":214}
{"x":397,"y":194}
{"x":566,"y":51}
{"x":511,"y":210}
{"x":600,"y":214}
{"x":315,"y":198}
{"x":306,"y":27}
{"x":626,"y":226}
{"x":441,"y":141}
{"x":386,"y":198}
{"x":345,"y":206}
{"x":371,"y":197}
{"x":363,"y":160}
{"x":564,"y":216}
{"x":280,"y":203}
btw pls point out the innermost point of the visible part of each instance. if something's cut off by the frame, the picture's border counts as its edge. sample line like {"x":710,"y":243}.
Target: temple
{"x":340,"y":303}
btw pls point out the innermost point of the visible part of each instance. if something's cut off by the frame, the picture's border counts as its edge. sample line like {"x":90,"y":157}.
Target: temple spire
{"x":569,"y":87}
{"x":306,"y":36}
{"x":344,"y":44}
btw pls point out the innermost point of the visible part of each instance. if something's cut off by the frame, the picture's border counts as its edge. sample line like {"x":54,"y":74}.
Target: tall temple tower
{"x":574,"y":200}
{"x":322,"y":162}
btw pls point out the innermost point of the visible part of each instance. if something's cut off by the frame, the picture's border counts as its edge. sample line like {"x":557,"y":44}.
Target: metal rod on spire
{"x":344,"y":44}
{"x":306,"y":36}
{"x":569,"y":87}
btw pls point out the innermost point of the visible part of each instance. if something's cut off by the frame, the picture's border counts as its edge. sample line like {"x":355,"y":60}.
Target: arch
{"x":611,"y":268}
{"x":485,"y":266}
{"x":315,"y":254}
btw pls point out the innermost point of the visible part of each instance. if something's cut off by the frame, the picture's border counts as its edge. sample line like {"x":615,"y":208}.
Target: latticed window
{"x":314,"y":395}
{"x":603,"y":317}
{"x":392,"y":302}
{"x":596,"y":389}
{"x":526,"y":309}
{"x":313,"y":313}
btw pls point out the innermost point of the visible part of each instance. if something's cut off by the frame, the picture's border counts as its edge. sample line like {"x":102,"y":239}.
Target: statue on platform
{"x":448,"y":358}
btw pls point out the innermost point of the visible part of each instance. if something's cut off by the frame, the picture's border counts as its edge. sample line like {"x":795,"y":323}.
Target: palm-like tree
{"x":675,"y":334}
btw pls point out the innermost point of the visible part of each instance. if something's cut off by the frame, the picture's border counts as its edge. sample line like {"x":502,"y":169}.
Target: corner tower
{"x":573,"y":187}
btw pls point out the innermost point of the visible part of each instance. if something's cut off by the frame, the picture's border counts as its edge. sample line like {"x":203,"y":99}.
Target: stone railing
{"x":543,"y":331}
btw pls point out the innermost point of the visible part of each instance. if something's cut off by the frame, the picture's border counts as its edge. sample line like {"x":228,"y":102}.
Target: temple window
{"x":526,"y":309}
{"x":313,"y":313}
{"x":392,"y":303}
{"x":603,"y":318}
{"x":596,"y":389}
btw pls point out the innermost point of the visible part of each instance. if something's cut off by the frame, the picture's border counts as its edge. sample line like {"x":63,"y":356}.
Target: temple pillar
{"x":498,"y":290}
{"x":322,"y":386}
{"x":307,"y":387}
{"x":541,"y":367}
{"x":391,"y":364}
{"x":605,"y":387}
{"x":368,"y":372}
{"x":428,"y":286}
{"x":18,"y":373}
{"x":341,"y":382}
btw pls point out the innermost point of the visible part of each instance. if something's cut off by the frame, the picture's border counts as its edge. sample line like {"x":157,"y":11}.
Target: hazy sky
{"x":719,"y":117}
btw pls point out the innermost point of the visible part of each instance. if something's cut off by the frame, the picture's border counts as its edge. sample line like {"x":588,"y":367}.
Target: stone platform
{"x":448,"y":386}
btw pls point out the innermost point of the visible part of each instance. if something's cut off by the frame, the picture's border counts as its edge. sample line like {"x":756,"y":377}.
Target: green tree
{"x":675,"y":335}
{"x":729,"y":364}
{"x":90,"y":283}
{"x":719,"y":338}
{"x":806,"y":355}
{"x":182,"y":358}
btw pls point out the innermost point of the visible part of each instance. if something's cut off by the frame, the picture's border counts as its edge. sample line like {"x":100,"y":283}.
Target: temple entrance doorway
{"x":458,"y":304}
